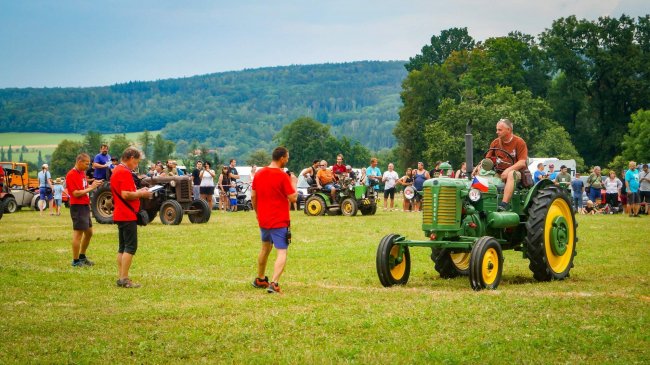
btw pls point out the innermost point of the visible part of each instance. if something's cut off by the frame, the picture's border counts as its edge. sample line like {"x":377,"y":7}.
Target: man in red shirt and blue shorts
{"x":124,"y":191}
{"x":82,"y":226}
{"x":271,"y":193}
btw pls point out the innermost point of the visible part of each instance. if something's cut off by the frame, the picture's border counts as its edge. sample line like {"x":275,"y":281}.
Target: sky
{"x":80,"y":43}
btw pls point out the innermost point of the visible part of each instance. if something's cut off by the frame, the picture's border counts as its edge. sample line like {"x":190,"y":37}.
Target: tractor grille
{"x":427,"y":205}
{"x":447,"y":206}
{"x":185,"y":191}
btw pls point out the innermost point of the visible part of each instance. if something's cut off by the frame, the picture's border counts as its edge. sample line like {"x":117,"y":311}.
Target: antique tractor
{"x":466,"y":233}
{"x":351,"y":198}
{"x":172,"y":201}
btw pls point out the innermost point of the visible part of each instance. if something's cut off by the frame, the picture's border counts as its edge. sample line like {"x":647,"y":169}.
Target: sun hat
{"x":58,"y":180}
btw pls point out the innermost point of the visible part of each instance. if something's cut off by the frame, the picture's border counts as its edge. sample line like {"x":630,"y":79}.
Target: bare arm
{"x":254,"y":199}
{"x":134,"y":195}
{"x":95,"y":184}
{"x":293,"y":197}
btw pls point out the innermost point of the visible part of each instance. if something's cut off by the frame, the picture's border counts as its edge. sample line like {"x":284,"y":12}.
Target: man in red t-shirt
{"x":124,"y":191}
{"x":339,"y":166}
{"x":82,"y":226}
{"x":517,"y":150}
{"x":271,"y":193}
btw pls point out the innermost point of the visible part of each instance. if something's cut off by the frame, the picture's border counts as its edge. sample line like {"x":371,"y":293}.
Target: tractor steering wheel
{"x":497,"y":160}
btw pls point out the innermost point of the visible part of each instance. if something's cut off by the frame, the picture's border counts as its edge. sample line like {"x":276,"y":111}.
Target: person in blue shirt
{"x":373,"y":174}
{"x":102,"y":163}
{"x":540,"y":173}
{"x":577,"y":188}
{"x":552,"y":174}
{"x":632,"y":185}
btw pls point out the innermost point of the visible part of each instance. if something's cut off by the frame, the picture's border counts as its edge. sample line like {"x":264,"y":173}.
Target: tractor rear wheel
{"x":10,"y":205}
{"x":171,"y":212}
{"x":102,"y":205}
{"x":485,"y":264}
{"x":315,"y":205}
{"x":200,"y":211}
{"x":551,"y":235}
{"x":391,"y":269}
{"x":449,"y":264}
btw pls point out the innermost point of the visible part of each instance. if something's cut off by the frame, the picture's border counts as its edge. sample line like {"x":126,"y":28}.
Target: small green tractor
{"x":466,"y":233}
{"x":351,"y":198}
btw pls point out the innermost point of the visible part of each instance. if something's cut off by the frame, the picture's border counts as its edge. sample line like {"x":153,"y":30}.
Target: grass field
{"x":196,"y":304}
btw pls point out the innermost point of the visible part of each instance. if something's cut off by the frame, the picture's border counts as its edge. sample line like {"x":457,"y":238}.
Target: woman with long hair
{"x":224,"y":186}
{"x":206,"y":189}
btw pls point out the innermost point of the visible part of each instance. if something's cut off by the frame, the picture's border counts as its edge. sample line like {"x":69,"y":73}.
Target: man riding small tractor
{"x":466,"y":229}
{"x":350,"y":198}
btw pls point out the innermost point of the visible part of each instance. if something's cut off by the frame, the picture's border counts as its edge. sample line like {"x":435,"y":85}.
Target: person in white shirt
{"x":389,"y":178}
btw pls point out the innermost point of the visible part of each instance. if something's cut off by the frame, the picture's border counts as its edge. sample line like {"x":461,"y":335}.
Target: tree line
{"x":571,"y":91}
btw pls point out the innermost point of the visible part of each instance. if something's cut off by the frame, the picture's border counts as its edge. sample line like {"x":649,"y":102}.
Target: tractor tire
{"x":10,"y":205}
{"x":551,"y":235}
{"x":171,"y":212}
{"x":390,"y":272}
{"x":201,"y":211}
{"x":449,"y":264}
{"x":349,"y":207}
{"x":485,"y":264}
{"x":315,"y":205}
{"x":102,"y":205}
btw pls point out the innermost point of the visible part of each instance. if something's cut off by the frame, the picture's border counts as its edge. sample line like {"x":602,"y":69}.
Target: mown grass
{"x":197,"y":305}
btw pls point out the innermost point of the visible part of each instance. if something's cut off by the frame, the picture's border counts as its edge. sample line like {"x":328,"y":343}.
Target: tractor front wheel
{"x":315,"y":205}
{"x":393,"y":267}
{"x":485,"y":264}
{"x":551,"y":235}
{"x":102,"y":205}
{"x":171,"y":212}
{"x":349,"y":207}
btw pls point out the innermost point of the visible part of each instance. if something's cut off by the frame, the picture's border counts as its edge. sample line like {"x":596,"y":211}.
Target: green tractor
{"x":351,"y":198}
{"x":467,"y":234}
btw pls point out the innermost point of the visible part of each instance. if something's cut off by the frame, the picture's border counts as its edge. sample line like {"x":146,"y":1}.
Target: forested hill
{"x":236,"y":111}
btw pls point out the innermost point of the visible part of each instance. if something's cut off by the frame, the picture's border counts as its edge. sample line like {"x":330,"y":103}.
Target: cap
{"x":113,"y":158}
{"x":562,"y":167}
{"x":348,"y":167}
{"x":551,"y":165}
{"x":45,"y":166}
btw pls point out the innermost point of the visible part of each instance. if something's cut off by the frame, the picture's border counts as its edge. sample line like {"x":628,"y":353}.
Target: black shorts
{"x":417,"y":197}
{"x":80,"y":214}
{"x":633,"y":198}
{"x":206,"y":190}
{"x":389,"y":192}
{"x":645,"y":196}
{"x":128,"y":234}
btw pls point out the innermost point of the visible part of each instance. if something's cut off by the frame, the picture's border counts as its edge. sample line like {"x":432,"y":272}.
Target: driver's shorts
{"x":517,"y":176}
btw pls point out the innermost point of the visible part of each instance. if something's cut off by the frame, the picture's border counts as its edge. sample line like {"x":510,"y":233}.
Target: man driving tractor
{"x":326,"y":180}
{"x":509,"y":153}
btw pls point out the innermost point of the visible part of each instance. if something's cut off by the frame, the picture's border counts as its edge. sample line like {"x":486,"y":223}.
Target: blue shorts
{"x":233,"y":202}
{"x":42,"y":192}
{"x":277,"y":236}
{"x":329,"y":186}
{"x":594,"y":194}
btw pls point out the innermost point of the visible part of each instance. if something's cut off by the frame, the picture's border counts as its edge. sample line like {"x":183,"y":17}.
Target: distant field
{"x":46,"y":142}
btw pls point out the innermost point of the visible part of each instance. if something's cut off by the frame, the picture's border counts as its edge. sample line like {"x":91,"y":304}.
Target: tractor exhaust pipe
{"x":469,"y":148}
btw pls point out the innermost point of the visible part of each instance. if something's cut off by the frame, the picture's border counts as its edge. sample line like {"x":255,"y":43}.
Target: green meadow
{"x":196,"y":304}
{"x":47,"y":142}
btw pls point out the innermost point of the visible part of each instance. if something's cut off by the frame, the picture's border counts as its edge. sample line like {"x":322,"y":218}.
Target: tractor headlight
{"x":172,"y":183}
{"x":474,"y":195}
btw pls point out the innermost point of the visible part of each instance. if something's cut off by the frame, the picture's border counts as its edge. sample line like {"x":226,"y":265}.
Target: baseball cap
{"x":551,"y":165}
{"x":45,"y":166}
{"x":562,"y":167}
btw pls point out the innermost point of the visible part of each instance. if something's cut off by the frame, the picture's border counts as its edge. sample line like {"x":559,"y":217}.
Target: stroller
{"x":243,"y":201}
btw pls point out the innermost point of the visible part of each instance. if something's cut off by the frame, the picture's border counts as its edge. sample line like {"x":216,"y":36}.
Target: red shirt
{"x":76,"y":180}
{"x":338,"y":169}
{"x":516,"y":148}
{"x":122,"y":180}
{"x":272,"y":188}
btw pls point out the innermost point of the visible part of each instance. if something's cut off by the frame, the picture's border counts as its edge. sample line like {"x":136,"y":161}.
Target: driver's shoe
{"x":503,"y":207}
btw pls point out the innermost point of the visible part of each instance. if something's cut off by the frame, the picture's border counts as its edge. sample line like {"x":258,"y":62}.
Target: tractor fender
{"x":542,"y":184}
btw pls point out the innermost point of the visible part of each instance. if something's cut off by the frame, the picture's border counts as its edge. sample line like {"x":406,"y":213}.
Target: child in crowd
{"x":232,"y":193}
{"x":57,"y":190}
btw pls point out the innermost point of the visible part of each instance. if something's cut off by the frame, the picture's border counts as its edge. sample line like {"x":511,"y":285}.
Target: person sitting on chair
{"x":326,"y":180}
